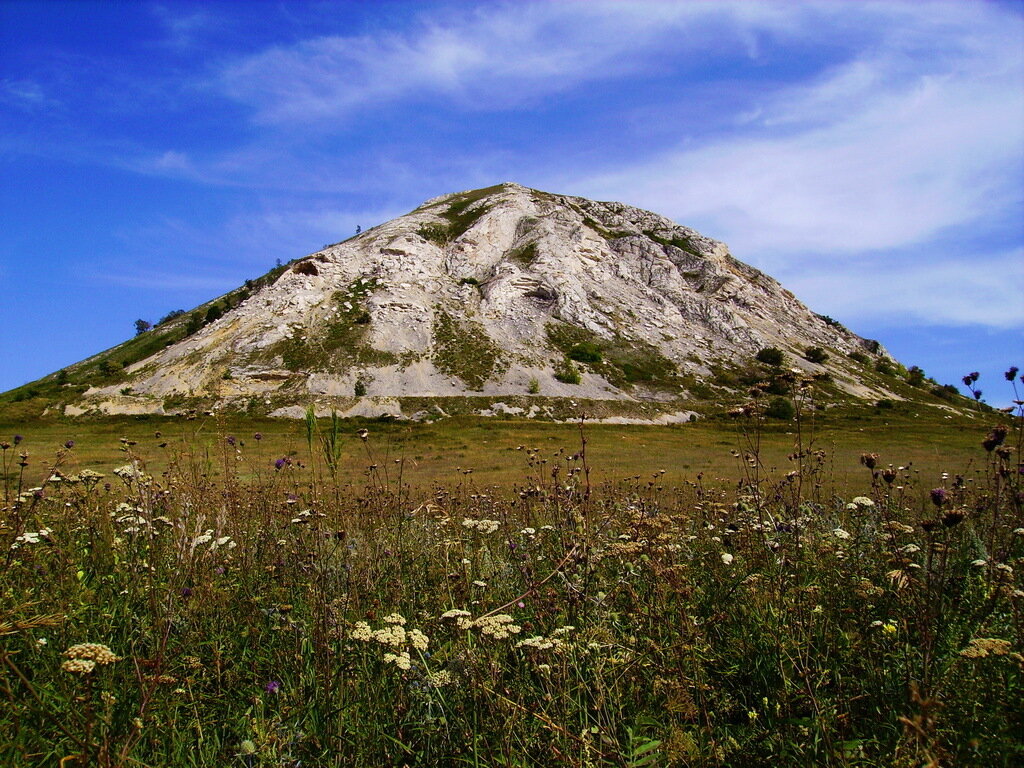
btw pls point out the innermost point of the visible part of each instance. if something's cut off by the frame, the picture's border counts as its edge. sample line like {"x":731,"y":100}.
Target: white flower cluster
{"x":401,"y":660}
{"x":542,"y":643}
{"x":83,"y":658}
{"x":499,"y":626}
{"x":207,"y":538}
{"x":392,"y":635}
{"x":481,"y":526}
{"x":129,"y":472}
{"x":31,"y":537}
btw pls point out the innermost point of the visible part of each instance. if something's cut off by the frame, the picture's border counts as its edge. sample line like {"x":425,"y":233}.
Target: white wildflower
{"x":839,"y":533}
{"x":727,"y":558}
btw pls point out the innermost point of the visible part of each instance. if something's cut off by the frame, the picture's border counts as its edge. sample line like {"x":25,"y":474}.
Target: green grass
{"x":463,"y":349}
{"x":622,"y":362}
{"x":705,"y":595}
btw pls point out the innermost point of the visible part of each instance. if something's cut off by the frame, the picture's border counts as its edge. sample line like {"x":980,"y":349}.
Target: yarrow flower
{"x":863,"y":501}
{"x":839,"y":533}
{"x":481,"y":526}
{"x":84,"y":657}
{"x":401,"y":660}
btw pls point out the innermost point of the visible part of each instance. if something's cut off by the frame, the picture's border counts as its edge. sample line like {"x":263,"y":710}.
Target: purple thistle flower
{"x":69,"y":444}
{"x":272,"y":686}
{"x":230,"y":439}
{"x":1012,"y":373}
{"x":186,"y":592}
{"x":18,"y":439}
{"x":938,"y":496}
{"x":279,"y":464}
{"x":258,"y":436}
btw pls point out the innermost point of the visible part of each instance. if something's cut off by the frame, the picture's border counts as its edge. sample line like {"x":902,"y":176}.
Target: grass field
{"x":483,"y":592}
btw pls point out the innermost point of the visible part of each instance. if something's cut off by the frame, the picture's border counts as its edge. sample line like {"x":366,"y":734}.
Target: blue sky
{"x":868,"y":155}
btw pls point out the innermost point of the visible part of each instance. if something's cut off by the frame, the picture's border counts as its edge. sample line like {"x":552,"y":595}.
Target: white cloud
{"x":942,"y":289}
{"x":496,"y":56}
{"x":867,"y":158}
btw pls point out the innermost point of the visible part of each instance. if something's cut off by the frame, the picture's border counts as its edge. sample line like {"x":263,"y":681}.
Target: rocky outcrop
{"x":491,"y":292}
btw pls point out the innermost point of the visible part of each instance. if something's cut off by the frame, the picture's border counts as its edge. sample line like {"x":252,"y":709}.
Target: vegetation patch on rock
{"x":464,"y":350}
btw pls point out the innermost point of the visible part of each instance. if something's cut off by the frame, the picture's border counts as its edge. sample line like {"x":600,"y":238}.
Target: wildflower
{"x":995,"y":438}
{"x":980,"y":647}
{"x":361,"y":631}
{"x":394,"y":618}
{"x":869,"y":460}
{"x":889,"y":628}
{"x":128,"y":472}
{"x":400,"y":660}
{"x":280,"y":463}
{"x":392,"y":635}
{"x":727,"y":558}
{"x":455,"y":613}
{"x":78,"y":666}
{"x":418,"y":640}
{"x":979,"y":563}
{"x":1011,"y":374}
{"x":258,"y":436}
{"x":440,"y":679}
{"x":539,"y":642}
{"x":863,"y":501}
{"x":938,"y":496}
{"x":95,"y":652}
{"x":18,"y":439}
{"x":41,"y":641}
{"x":839,"y":533}
{"x":272,"y":686}
{"x":498,"y":626}
{"x":230,"y":440}
{"x":69,"y":444}
{"x":481,"y":526}
{"x":363,"y":434}
{"x":1004,"y":568}
{"x":480,"y":584}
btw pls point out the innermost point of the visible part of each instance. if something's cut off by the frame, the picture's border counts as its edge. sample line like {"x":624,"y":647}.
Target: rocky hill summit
{"x":504,"y":295}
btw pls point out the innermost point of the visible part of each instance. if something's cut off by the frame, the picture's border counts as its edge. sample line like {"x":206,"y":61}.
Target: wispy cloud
{"x":496,"y":56}
{"x":872,"y":155}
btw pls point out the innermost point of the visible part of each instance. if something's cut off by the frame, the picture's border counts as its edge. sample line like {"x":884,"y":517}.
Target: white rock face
{"x":501,"y":266}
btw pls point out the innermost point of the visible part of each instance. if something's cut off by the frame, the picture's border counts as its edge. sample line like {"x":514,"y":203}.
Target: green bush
{"x":815,"y":355}
{"x":587,"y":352}
{"x":915,"y":376}
{"x":567,"y":373}
{"x":780,"y":408}
{"x":771,"y":356}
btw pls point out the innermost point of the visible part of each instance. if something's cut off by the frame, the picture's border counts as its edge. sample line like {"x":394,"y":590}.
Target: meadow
{"x":213,"y":591}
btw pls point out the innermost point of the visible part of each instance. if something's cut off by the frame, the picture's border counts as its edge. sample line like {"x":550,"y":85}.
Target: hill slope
{"x":504,"y":292}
